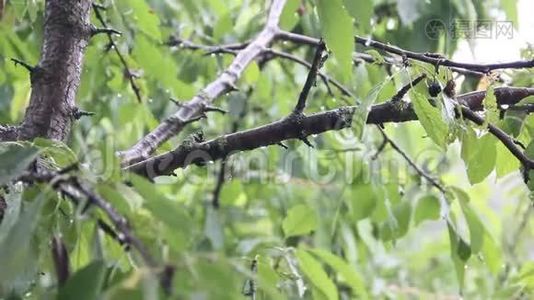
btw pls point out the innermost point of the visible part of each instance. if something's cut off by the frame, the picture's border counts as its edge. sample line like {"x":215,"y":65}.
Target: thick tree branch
{"x":72,"y":187}
{"x":56,"y":77}
{"x":401,"y":111}
{"x":223,"y":84}
{"x":294,"y":127}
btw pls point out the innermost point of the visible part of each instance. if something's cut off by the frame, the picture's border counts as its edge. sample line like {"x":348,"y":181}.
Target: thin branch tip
{"x":108,"y":31}
{"x":28,"y":67}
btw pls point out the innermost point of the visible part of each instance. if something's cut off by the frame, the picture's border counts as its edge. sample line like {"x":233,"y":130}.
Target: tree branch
{"x":8,"y":133}
{"x":431,"y":58}
{"x":318,"y":61}
{"x":130,"y":73}
{"x":223,"y":84}
{"x":417,"y":169}
{"x":291,"y":127}
{"x":402,"y":111}
{"x":507,"y":141}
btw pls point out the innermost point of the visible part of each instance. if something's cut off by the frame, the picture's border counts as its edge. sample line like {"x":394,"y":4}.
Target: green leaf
{"x":362,"y":11}
{"x":86,"y":284}
{"x":289,"y":17}
{"x":15,"y":159}
{"x":397,"y":225}
{"x":428,"y":208}
{"x":430,"y":118}
{"x":165,"y":210}
{"x":300,"y":219}
{"x":456,"y":243}
{"x":160,"y":67}
{"x":316,"y":275}
{"x":19,"y":257}
{"x":223,"y":26}
{"x":147,"y":19}
{"x":363,"y":201}
{"x":505,"y":162}
{"x":353,"y":278}
{"x":510,"y":8}
{"x":377,"y":57}
{"x":61,"y":154}
{"x":492,"y":254}
{"x":251,"y":73}
{"x":476,"y":228}
{"x":337,"y":30}
{"x":490,"y":104}
{"x":362,"y":110}
{"x":479,"y":155}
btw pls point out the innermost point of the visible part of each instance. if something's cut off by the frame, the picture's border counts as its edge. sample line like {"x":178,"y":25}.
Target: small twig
{"x":107,"y":229}
{"x":282,"y":145}
{"x":131,"y":76}
{"x":69,"y":168}
{"x":211,"y":108}
{"x":60,"y":257}
{"x":318,"y":61}
{"x":380,"y":148}
{"x":176,"y":102}
{"x":419,"y":171}
{"x":185,"y":44}
{"x":24,"y":64}
{"x":326,"y":79}
{"x":78,"y":113}
{"x":306,"y":141}
{"x":404,"y":90}
{"x":98,"y":6}
{"x":218,"y":186}
{"x":424,"y":57}
{"x":108,"y":31}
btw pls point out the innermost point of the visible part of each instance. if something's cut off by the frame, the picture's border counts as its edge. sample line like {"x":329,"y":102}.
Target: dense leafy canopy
{"x":433,"y":208}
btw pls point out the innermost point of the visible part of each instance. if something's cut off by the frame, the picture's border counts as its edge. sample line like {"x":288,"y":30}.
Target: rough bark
{"x":299,"y":127}
{"x":56,"y":77}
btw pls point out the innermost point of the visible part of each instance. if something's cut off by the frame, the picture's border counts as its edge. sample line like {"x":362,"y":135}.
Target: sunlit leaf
{"x":316,"y":275}
{"x":428,"y":208}
{"x":337,"y":29}
{"x":86,"y":284}
{"x":300,"y":219}
{"x":14,"y":159}
{"x":430,"y":118}
{"x":349,"y":273}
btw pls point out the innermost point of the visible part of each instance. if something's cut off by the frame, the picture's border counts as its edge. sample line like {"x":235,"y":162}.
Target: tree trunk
{"x":56,"y":78}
